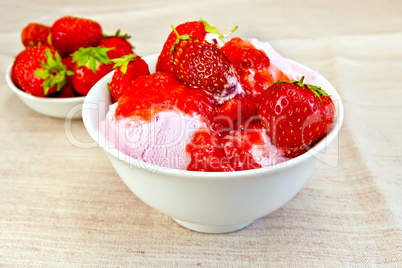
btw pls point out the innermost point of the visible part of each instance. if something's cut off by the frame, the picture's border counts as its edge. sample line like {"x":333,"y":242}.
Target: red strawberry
{"x":119,"y":45}
{"x":128,"y":68}
{"x":194,"y":28}
{"x":68,"y":34}
{"x":68,"y":61}
{"x":39,"y":71}
{"x":90,"y":65}
{"x":66,"y":92}
{"x":34,"y":34}
{"x":200,"y":64}
{"x":296,"y":115}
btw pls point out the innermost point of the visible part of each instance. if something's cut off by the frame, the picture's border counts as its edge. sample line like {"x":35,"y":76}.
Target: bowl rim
{"x":135,"y":163}
{"x":28,"y":96}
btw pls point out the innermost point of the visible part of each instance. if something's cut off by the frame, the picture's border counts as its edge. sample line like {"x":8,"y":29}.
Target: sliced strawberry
{"x":244,"y":55}
{"x":238,"y":144}
{"x":235,"y":111}
{"x":127,"y":68}
{"x":247,"y":61}
{"x":68,"y":34}
{"x":211,"y":152}
{"x":119,"y":45}
{"x":90,"y":65}
{"x":205,"y":154}
{"x":253,"y":67}
{"x":35,"y":34}
{"x":296,"y":115}
{"x":39,"y":71}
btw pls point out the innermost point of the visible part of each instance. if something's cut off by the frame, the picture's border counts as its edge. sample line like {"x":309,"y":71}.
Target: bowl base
{"x":212,"y":229}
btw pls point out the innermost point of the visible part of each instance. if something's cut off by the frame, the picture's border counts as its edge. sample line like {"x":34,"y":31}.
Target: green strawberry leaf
{"x":92,"y":63}
{"x":53,"y":72}
{"x":123,"y":62}
{"x":179,"y":38}
{"x":42,"y":73}
{"x":89,"y":57}
{"x":211,"y":29}
{"x":82,"y":60}
{"x":214,"y":30}
{"x":49,"y":59}
{"x":117,"y":34}
{"x":318,"y":91}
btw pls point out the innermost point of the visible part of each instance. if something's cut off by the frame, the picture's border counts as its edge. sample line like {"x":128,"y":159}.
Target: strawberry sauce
{"x":225,"y":145}
{"x":153,"y":93}
{"x":253,"y":67}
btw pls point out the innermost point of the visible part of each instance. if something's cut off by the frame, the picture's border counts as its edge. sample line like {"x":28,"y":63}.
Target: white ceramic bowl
{"x":54,"y":107}
{"x":211,"y":202}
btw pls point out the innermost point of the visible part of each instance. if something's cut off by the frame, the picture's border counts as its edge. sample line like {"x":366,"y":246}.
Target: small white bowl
{"x":210,"y":202}
{"x":54,"y":107}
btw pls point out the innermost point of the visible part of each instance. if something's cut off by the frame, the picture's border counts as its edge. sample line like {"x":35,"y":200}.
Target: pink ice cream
{"x":280,"y":63}
{"x":161,"y":141}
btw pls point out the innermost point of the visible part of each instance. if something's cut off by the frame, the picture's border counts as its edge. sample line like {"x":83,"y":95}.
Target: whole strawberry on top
{"x":296,"y":115}
{"x":197,"y":29}
{"x":34,"y":34}
{"x":118,"y":43}
{"x":39,"y":71}
{"x":68,"y":34}
{"x":200,"y":64}
{"x":127,"y":68}
{"x":90,"y":65}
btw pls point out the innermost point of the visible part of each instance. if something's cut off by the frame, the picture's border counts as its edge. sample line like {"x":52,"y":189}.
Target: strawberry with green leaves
{"x":39,"y":71}
{"x":127,"y":68}
{"x":68,"y":34}
{"x":118,"y":44}
{"x":90,"y":65}
{"x":35,"y":34}
{"x":296,"y":115}
{"x":200,"y":64}
{"x":197,"y":29}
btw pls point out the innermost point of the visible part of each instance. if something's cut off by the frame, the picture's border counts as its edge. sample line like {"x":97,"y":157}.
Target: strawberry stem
{"x":53,"y":72}
{"x":179,"y":37}
{"x":89,"y":56}
{"x":123,"y":62}
{"x":230,"y":32}
{"x":214,"y":30}
{"x":117,"y":34}
{"x":175,"y":31}
{"x":318,"y":91}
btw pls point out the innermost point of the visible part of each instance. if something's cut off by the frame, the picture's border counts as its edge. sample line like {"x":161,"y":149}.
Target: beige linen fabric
{"x":64,"y":206}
